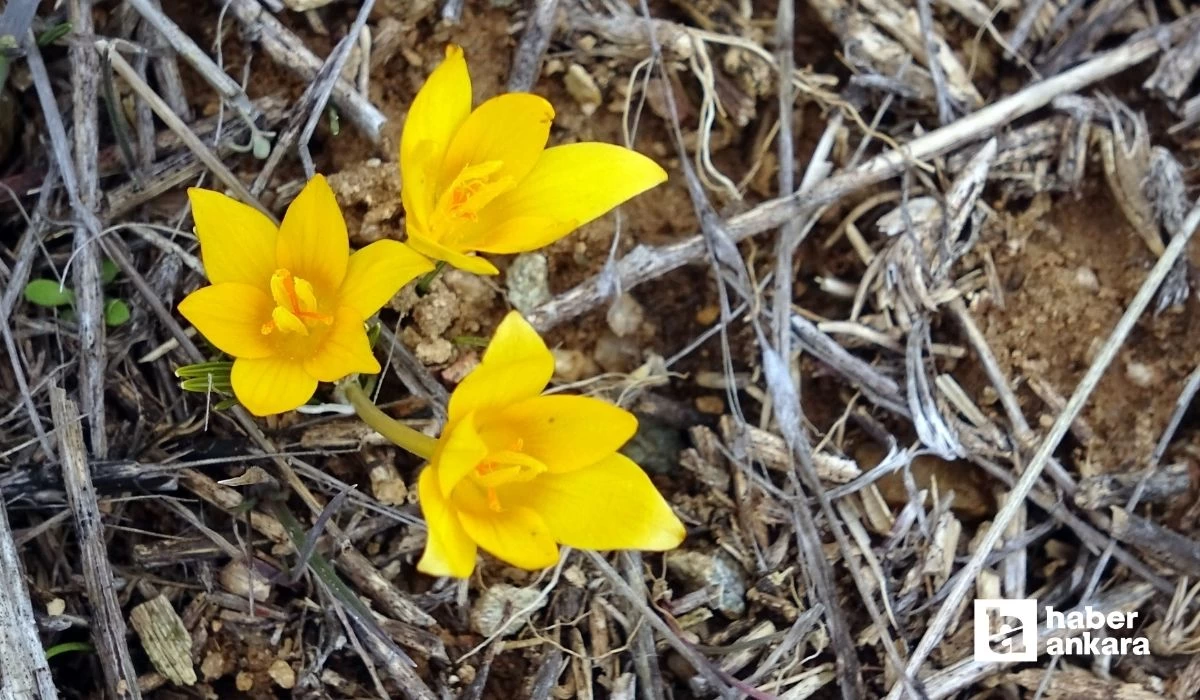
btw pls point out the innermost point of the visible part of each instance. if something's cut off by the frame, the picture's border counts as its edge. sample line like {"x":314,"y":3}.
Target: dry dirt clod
{"x":387,"y":485}
{"x":437,"y":351}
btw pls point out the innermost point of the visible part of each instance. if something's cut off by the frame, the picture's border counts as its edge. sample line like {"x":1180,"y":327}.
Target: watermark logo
{"x":1006,"y":631}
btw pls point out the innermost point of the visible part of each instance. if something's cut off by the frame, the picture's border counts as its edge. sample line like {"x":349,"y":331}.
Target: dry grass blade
{"x":22,"y":658}
{"x":108,"y":624}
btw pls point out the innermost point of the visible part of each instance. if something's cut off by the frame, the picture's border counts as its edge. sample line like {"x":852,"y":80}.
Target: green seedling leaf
{"x":203,"y":369}
{"x":53,"y":34}
{"x":66,"y":647}
{"x":206,"y":377}
{"x":335,"y":122}
{"x":261,"y":146}
{"x":48,"y":293}
{"x":116,"y":312}
{"x":373,"y":332}
{"x":109,"y":271}
{"x":202,"y":385}
{"x":471,"y":341}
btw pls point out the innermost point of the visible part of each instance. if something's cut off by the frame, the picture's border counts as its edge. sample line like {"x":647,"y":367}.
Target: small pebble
{"x":712,"y":405}
{"x":244,"y":681}
{"x":56,"y":607}
{"x":528,"y":282}
{"x":281,"y":672}
{"x":708,"y":315}
{"x":573,"y":365}
{"x":583,"y":88}
{"x":615,"y":354}
{"x":213,"y":666}
{"x":1086,"y":279}
{"x":244,"y":581}
{"x":1141,"y":374}
{"x":625,"y":316}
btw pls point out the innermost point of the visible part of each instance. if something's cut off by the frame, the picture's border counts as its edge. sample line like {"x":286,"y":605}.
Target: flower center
{"x":505,"y":467}
{"x":472,"y":189}
{"x":296,"y":310}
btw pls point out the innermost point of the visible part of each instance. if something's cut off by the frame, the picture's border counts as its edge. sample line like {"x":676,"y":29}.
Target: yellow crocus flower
{"x":517,"y":472}
{"x":289,"y":303}
{"x":484,"y":180}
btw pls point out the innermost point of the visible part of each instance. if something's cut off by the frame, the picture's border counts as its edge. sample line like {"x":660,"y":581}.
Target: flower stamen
{"x":296,"y":309}
{"x":471,"y":190}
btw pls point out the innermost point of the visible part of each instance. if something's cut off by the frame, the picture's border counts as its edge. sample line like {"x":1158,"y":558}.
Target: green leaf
{"x":261,"y":146}
{"x":471,"y":341}
{"x":108,"y":271}
{"x":116,"y":312}
{"x":53,"y":34}
{"x":203,"y":369}
{"x":48,"y":293}
{"x":335,"y":121}
{"x":67,"y":646}
{"x":201,"y":385}
{"x":206,"y":377}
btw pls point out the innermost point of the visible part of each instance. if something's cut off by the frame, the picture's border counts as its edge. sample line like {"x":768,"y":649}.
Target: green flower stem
{"x":403,"y":436}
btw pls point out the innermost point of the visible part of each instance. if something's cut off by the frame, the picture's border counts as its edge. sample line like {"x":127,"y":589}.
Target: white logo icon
{"x":1009,"y":643}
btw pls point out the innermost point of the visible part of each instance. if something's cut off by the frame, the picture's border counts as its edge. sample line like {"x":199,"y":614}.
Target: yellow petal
{"x":237,"y":242}
{"x":377,"y":272}
{"x":459,"y":451}
{"x":440,"y":107}
{"x":344,"y":350}
{"x":449,"y":551}
{"x":570,"y":186}
{"x":515,"y":534}
{"x":468,"y":263}
{"x":609,"y":505}
{"x":516,"y":366}
{"x":313,"y":243}
{"x":231,"y":316}
{"x":271,"y":385}
{"x":511,"y":128}
{"x":560,"y":431}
